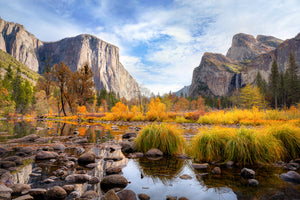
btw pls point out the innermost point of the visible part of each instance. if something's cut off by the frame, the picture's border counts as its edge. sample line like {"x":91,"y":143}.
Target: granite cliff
{"x":219,"y":75}
{"x":101,"y":56}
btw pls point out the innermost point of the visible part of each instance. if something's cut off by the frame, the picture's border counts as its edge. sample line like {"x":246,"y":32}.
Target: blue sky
{"x":160,"y":41}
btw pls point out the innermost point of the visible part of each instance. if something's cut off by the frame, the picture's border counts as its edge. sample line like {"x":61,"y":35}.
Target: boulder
{"x":3,"y":152}
{"x":25,"y":197}
{"x":128,"y":147}
{"x":38,"y":193}
{"x":114,"y":158}
{"x":183,"y":198}
{"x":129,"y":135}
{"x":90,"y":194}
{"x":86,"y":158}
{"x":113,"y":170}
{"x":59,"y":147}
{"x":43,"y":139}
{"x":28,"y":138}
{"x":46,"y":155}
{"x":110,"y":195}
{"x":69,"y":188}
{"x":200,"y":166}
{"x":290,"y":176}
{"x":7,"y":164}
{"x":216,"y":170}
{"x":94,"y":180}
{"x":247,"y":173}
{"x":292,"y":166}
{"x":126,"y":195}
{"x":18,"y":160}
{"x":143,"y":196}
{"x":56,"y":192}
{"x":74,"y":195}
{"x":5,"y":192}
{"x":113,"y":181}
{"x":154,"y":153}
{"x":19,"y":188}
{"x":77,"y":178}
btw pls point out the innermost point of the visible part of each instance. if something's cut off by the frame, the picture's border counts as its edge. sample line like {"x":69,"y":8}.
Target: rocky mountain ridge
{"x":219,"y":75}
{"x":101,"y":56}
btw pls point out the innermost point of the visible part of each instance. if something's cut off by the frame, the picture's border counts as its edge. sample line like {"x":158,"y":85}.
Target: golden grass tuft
{"x":165,"y":137}
{"x":289,"y":135}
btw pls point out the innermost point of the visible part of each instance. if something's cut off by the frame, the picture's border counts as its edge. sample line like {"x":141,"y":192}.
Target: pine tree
{"x":261,"y":83}
{"x":274,"y":83}
{"x":293,"y":81}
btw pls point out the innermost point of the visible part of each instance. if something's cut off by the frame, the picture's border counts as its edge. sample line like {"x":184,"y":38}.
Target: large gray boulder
{"x":113,"y":181}
{"x":126,"y":195}
{"x":290,"y":176}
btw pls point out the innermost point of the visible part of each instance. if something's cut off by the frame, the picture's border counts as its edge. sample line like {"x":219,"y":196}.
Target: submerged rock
{"x":69,"y":188}
{"x":128,"y":147}
{"x":127,"y":195}
{"x":38,"y":193}
{"x":248,"y":173}
{"x":290,"y":176}
{"x":129,"y":135}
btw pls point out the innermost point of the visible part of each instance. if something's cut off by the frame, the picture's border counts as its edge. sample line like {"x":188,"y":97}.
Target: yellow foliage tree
{"x":81,"y":109}
{"x":156,"y":110}
{"x":120,"y":112}
{"x":250,"y":96}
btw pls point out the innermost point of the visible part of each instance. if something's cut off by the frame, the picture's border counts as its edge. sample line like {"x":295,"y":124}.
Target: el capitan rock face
{"x":219,"y":75}
{"x":101,"y":56}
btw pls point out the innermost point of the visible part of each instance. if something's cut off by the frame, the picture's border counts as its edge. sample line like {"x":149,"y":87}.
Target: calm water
{"x":159,"y":178}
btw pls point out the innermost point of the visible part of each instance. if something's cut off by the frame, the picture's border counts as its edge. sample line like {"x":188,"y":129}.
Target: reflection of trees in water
{"x":268,"y":177}
{"x":165,"y":169}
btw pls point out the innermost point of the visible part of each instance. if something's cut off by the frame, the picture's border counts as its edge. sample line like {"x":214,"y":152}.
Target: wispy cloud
{"x":160,"y":42}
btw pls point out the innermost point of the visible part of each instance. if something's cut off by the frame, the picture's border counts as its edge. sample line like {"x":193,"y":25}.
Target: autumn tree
{"x":156,"y":110}
{"x":250,"y":96}
{"x":200,"y":103}
{"x":62,"y":75}
{"x":181,"y":105}
{"x":274,"y":80}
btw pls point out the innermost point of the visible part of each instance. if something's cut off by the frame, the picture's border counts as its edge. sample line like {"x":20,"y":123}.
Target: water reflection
{"x":164,"y":169}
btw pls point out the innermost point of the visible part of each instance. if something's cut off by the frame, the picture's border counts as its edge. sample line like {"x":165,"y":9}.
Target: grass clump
{"x":209,"y":145}
{"x":248,"y":146}
{"x":165,"y":137}
{"x":290,"y":138}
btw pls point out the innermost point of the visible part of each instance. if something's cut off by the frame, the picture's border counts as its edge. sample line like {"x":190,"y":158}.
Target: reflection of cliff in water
{"x":164,"y":169}
{"x":269,"y":183}
{"x":24,"y":173}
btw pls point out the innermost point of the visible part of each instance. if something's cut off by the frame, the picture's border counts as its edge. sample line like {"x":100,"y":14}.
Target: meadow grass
{"x":165,"y":137}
